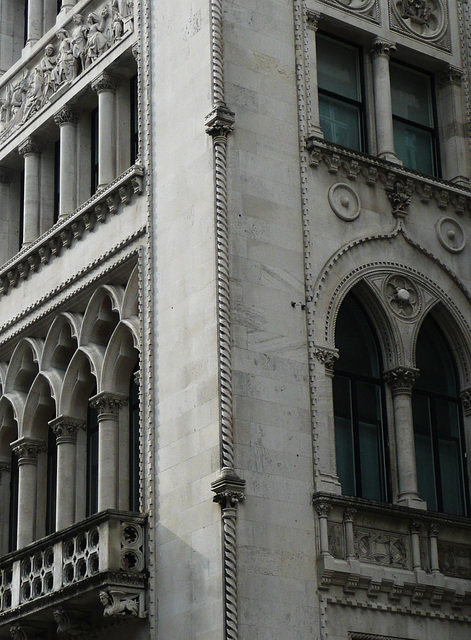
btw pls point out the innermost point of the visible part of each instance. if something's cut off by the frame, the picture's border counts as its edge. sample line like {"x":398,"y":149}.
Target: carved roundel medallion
{"x":426,"y":19}
{"x":344,"y":202}
{"x":403,"y":296}
{"x":451,"y":235}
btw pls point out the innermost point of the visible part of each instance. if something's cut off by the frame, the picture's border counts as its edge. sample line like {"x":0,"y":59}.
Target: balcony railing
{"x":97,"y":565}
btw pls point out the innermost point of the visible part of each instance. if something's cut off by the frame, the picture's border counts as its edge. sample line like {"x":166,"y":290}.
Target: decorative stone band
{"x":370,"y":169}
{"x":108,"y":404}
{"x":104,"y":82}
{"x":27,"y":450}
{"x":383,"y":48}
{"x":66,"y":116}
{"x":73,"y":228}
{"x":29,"y":147}
{"x":401,"y":379}
{"x":65,"y":429}
{"x":465,"y":395}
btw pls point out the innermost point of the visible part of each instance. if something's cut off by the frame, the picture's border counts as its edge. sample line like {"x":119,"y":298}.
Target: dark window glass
{"x":59,"y":5}
{"x":92,"y":460}
{"x":51,"y":483}
{"x":57,"y":151}
{"x":358,"y":406}
{"x":413,"y":118}
{"x":26,"y":22}
{"x":94,"y":150}
{"x":134,"y":120}
{"x":340,"y":92}
{"x":13,"y":514}
{"x":22,"y":210}
{"x":439,"y":446}
{"x":133,"y":445}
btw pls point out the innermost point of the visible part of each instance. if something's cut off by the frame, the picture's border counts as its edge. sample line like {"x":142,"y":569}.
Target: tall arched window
{"x":92,"y":458}
{"x":133,"y":444}
{"x":51,"y":483}
{"x":13,"y":515}
{"x":358,"y":406}
{"x":437,"y":424}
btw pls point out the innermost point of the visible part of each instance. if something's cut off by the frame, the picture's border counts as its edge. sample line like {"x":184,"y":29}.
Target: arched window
{"x":51,"y":482}
{"x":133,"y":444}
{"x":92,"y":458}
{"x":437,"y":424}
{"x":13,"y":515}
{"x":358,"y":406}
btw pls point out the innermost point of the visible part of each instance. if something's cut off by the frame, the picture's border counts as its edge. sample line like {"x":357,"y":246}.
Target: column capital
{"x":108,"y":403}
{"x":326,"y":356}
{"x":29,"y":147}
{"x":415,"y":527}
{"x":5,"y":175}
{"x":65,"y":429}
{"x":465,"y":395}
{"x":401,"y":379}
{"x":450,"y":76}
{"x":382,"y":48}
{"x":349,"y":514}
{"x":27,"y":449}
{"x":313,"y":18}
{"x":323,"y":509}
{"x":104,"y":82}
{"x":66,"y":116}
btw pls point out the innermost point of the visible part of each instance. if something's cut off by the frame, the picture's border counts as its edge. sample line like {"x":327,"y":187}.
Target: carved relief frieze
{"x":455,"y":559}
{"x":381,"y":547}
{"x":362,"y":8}
{"x":426,"y":20}
{"x":336,"y":537}
{"x":73,"y":51}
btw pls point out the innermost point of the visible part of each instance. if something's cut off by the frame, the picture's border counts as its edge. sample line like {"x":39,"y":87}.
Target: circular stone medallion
{"x":426,"y":19}
{"x":403,"y":296}
{"x":451,"y":234}
{"x":344,"y":201}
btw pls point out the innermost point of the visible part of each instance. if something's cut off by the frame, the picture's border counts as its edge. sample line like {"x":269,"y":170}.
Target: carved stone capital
{"x":382,"y":48}
{"x":401,"y":379}
{"x":120,"y":603}
{"x":415,"y":527}
{"x":65,"y":429}
{"x":323,"y":509}
{"x":66,"y":116}
{"x":108,"y":403}
{"x":326,"y":356}
{"x":399,"y":198}
{"x":104,"y":82}
{"x":5,"y":175}
{"x":220,"y":121}
{"x":313,"y":18}
{"x":465,"y":395}
{"x":450,"y":76}
{"x":349,"y":514}
{"x":229,"y":489}
{"x":27,"y":450}
{"x":433,"y":530}
{"x":29,"y":147}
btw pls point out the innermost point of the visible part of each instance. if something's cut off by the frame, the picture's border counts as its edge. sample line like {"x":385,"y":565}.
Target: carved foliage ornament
{"x":424,"y":19}
{"x":76,"y":48}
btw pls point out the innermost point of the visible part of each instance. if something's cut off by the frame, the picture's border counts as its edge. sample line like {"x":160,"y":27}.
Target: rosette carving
{"x":423,"y":19}
{"x":403,"y":296}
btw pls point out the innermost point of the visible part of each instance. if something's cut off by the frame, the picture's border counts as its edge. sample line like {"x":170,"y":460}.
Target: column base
{"x":412,"y":501}
{"x":390,"y":156}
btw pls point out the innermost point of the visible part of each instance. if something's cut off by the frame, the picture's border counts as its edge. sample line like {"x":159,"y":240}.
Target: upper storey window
{"x":340,"y":92}
{"x":413,"y":118}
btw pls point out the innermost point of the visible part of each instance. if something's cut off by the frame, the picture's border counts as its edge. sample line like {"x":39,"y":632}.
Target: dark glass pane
{"x":13,"y":510}
{"x":450,"y":476}
{"x":92,"y":460}
{"x":411,"y":95}
{"x":368,"y":397}
{"x":134,"y":120}
{"x":340,"y":122}
{"x":94,"y":150}
{"x":355,"y":342}
{"x":51,"y":483}
{"x":57,"y":150}
{"x":133,"y":446}
{"x":338,"y":68}
{"x":424,"y":451}
{"x":447,"y":419}
{"x":414,"y":147}
{"x":434,"y":361}
{"x":344,"y":435}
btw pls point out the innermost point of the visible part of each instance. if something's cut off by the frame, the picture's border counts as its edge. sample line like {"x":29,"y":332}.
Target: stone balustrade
{"x":98,"y":564}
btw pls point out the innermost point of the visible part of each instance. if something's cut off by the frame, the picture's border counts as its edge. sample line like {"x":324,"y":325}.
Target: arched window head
{"x":438,"y":432}
{"x":358,"y":406}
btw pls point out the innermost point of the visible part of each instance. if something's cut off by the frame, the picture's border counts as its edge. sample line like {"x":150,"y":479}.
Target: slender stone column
{"x":65,"y":429}
{"x":67,"y":120}
{"x":456,"y":162}
{"x":322,"y":373}
{"x":68,"y":4}
{"x":35,"y":21}
{"x":323,"y":511}
{"x":105,"y":86}
{"x":433,"y":540}
{"x":312,"y":22}
{"x":380,"y":55}
{"x":415,"y":529}
{"x":401,"y":380}
{"x":27,"y":450}
{"x":107,"y":406}
{"x":348,"y":518}
{"x":31,"y":153}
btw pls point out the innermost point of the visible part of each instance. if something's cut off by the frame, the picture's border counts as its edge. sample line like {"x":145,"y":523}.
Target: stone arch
{"x":130,"y":305}
{"x":61,"y":341}
{"x":23,"y":366}
{"x":81,"y":376}
{"x":39,"y":407}
{"x":8,"y":428}
{"x":120,"y":360}
{"x":101,"y":315}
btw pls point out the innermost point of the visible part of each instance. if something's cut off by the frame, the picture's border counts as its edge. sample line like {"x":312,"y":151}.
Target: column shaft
{"x":105,"y":86}
{"x":66,"y":119}
{"x":27,"y":452}
{"x":382,"y":94}
{"x":31,"y":207}
{"x":35,"y":21}
{"x":65,"y":430}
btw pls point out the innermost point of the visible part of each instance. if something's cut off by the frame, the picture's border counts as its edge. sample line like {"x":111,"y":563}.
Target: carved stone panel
{"x":336,"y":539}
{"x":455,"y":559}
{"x":362,"y":8}
{"x":381,"y":547}
{"x":425,"y":20}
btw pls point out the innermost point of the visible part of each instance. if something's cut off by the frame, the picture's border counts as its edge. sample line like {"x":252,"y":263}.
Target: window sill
{"x":371,"y":170}
{"x":393,"y":556}
{"x":101,"y":559}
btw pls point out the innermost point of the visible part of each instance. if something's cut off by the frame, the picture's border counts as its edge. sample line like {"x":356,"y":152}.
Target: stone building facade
{"x":235,"y":319}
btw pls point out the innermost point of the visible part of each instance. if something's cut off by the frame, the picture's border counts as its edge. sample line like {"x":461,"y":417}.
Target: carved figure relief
{"x":74,"y":51}
{"x":424,"y":19}
{"x":380,"y":547}
{"x":451,"y":234}
{"x":363,"y":8}
{"x":403,"y":296}
{"x":119,"y":603}
{"x":336,"y":539}
{"x":344,"y":201}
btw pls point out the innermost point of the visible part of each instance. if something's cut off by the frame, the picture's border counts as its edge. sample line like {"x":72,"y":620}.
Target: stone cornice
{"x":368,"y":169}
{"x":65,"y":233}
